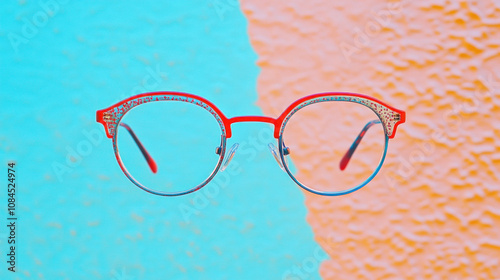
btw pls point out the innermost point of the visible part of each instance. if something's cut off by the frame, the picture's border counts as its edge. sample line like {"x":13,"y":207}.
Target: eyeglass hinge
{"x":106,"y":117}
{"x":397,"y":117}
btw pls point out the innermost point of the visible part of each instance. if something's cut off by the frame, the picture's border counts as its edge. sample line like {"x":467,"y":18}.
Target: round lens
{"x":334,"y":146}
{"x":169,"y":146}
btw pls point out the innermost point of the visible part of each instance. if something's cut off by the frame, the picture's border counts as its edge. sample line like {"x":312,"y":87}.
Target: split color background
{"x":79,"y":216}
{"x":433,"y":212}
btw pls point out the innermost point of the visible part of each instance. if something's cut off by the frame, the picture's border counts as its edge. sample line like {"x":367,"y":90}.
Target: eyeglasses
{"x":173,"y":143}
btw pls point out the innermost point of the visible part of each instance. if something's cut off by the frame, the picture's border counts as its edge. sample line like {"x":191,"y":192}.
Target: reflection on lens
{"x":169,"y":146}
{"x":334,"y":145}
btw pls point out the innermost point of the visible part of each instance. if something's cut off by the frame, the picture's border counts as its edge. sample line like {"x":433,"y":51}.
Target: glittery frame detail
{"x":388,"y":117}
{"x":112,"y":116}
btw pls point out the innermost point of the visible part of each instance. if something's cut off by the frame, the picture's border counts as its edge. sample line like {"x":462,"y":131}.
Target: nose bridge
{"x":255,"y":119}
{"x":262,"y":119}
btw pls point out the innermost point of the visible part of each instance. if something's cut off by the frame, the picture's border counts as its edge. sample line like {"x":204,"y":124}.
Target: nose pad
{"x":230,"y":156}
{"x":276,"y":155}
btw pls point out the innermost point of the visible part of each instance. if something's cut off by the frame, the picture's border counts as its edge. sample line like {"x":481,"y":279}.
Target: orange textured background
{"x":434,"y":210}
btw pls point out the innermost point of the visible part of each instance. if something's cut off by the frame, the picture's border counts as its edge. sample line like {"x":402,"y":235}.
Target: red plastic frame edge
{"x":227,"y":122}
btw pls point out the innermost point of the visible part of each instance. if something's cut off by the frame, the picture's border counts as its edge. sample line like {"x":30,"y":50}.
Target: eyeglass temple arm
{"x":149,"y":159}
{"x":350,"y":152}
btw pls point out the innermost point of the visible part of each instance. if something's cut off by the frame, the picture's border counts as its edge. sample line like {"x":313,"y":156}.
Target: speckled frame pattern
{"x":111,"y":116}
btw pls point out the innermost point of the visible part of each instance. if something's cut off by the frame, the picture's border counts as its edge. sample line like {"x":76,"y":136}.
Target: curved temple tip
{"x":347,"y":156}
{"x":149,"y":159}
{"x":344,"y":161}
{"x":152,"y":165}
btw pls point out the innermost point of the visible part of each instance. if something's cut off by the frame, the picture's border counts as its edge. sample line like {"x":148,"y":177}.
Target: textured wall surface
{"x":434,"y":210}
{"x":79,"y":216}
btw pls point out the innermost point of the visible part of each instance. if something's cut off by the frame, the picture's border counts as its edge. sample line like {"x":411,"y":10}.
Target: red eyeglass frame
{"x":110,"y":117}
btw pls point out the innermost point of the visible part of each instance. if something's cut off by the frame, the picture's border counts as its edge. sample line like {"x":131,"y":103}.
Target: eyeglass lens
{"x":334,"y":145}
{"x":181,"y":139}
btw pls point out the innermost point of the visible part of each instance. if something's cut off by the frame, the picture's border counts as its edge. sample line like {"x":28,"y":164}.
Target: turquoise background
{"x":79,"y":216}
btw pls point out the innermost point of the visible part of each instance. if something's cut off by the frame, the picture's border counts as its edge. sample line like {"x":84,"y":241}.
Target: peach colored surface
{"x":434,"y":210}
